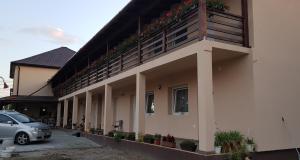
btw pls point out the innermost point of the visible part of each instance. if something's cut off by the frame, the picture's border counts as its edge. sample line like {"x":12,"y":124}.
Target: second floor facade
{"x":143,"y":31}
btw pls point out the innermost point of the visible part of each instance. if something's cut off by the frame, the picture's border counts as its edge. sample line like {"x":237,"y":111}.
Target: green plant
{"x":239,"y":154}
{"x":148,"y":138}
{"x":168,"y":138}
{"x":250,"y":141}
{"x":229,"y":141}
{"x":140,"y":137}
{"x":188,"y":145}
{"x":157,"y":137}
{"x":216,"y":5}
{"x":131,"y":136}
{"x":118,"y":136}
{"x":92,"y":130}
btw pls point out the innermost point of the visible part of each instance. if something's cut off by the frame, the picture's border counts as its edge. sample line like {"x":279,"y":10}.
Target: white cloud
{"x":53,"y":34}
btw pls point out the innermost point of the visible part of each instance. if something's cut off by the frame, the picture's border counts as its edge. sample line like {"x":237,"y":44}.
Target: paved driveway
{"x":60,"y":140}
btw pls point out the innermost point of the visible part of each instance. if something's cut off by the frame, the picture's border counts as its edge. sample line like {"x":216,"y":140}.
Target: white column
{"x":66,"y":106}
{"x":206,"y":113}
{"x":58,"y":116}
{"x":140,"y":104}
{"x":88,"y":110}
{"x":75,"y":112}
{"x":108,"y":109}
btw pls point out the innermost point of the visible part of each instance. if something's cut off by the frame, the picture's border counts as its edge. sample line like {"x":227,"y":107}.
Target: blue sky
{"x":29,"y":27}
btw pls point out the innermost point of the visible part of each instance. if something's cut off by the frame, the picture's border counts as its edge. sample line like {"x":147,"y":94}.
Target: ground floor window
{"x":180,"y":100}
{"x":150,"y":103}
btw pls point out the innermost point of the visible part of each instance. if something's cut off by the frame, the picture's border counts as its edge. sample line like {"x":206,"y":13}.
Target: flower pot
{"x":218,"y":149}
{"x":168,"y":144}
{"x":157,"y":142}
{"x":191,"y":148}
{"x":250,"y":147}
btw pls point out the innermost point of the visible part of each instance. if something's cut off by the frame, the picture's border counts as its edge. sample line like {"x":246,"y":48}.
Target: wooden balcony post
{"x":121,"y":62}
{"x":202,"y":19}
{"x":164,"y":41}
{"x":245,"y":23}
{"x":107,"y":60}
{"x":139,"y":42}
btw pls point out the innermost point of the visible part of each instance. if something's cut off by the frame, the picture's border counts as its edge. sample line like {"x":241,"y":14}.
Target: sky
{"x":30,"y":27}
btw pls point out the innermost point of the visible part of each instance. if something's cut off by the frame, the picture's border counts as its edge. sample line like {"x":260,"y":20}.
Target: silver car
{"x":22,"y":128}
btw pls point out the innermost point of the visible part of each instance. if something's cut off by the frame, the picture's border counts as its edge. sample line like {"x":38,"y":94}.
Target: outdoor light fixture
{"x":4,"y":83}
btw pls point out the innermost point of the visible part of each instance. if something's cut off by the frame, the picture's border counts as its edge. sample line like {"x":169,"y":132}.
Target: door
{"x":8,"y":127}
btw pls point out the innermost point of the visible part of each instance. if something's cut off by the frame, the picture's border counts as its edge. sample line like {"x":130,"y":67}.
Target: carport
{"x":41,"y":108}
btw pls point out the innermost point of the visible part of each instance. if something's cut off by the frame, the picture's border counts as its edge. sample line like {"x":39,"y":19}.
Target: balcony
{"x":197,"y":22}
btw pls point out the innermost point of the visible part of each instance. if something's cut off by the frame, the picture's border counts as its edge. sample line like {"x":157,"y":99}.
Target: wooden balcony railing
{"x":223,"y":27}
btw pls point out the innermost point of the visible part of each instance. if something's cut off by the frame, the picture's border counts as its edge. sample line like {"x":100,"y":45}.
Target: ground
{"x":64,"y":146}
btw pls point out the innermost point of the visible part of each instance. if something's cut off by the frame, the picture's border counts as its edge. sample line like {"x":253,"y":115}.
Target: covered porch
{"x":174,"y":94}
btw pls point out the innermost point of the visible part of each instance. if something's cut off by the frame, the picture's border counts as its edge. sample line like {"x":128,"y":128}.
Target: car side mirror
{"x":10,"y":122}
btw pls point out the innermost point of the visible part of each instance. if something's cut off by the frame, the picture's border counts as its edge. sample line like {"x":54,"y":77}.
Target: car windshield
{"x":22,"y":118}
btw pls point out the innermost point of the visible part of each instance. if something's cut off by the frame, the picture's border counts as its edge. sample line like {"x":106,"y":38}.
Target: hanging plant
{"x":173,"y":15}
{"x":217,"y":5}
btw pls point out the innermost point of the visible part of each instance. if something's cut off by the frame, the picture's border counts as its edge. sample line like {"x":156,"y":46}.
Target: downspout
{"x":19,"y":69}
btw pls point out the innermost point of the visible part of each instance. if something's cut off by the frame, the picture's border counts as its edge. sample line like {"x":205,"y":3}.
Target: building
{"x":31,"y":93}
{"x":185,"y":69}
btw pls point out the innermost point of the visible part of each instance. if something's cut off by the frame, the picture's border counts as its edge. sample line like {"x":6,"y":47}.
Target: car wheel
{"x":22,"y":138}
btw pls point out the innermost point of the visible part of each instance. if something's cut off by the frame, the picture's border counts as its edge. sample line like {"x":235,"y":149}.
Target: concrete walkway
{"x":60,"y":140}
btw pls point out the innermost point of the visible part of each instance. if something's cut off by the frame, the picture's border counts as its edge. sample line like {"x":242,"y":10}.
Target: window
{"x":180,"y":100}
{"x":150,"y":103}
{"x":4,"y":119}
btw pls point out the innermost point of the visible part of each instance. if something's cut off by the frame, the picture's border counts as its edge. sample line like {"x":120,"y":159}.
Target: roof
{"x":55,"y":58}
{"x":117,"y":29}
{"x":27,"y":99}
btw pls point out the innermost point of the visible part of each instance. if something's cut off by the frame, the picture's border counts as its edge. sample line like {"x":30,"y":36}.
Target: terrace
{"x":167,"y":29}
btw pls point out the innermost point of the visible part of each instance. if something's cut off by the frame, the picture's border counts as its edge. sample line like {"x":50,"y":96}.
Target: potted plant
{"x":250,"y":145}
{"x":148,"y":138}
{"x":131,"y":136}
{"x":219,"y":142}
{"x":118,"y":136}
{"x":168,"y":141}
{"x":157,"y":139}
{"x":92,"y":130}
{"x":99,"y":131}
{"x":188,"y":145}
{"x":216,"y":5}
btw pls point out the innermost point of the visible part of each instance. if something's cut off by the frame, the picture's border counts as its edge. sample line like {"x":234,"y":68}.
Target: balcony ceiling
{"x":112,"y":34}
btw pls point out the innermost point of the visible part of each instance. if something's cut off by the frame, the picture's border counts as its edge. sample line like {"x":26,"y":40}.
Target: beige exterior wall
{"x":31,"y":79}
{"x":276,"y":73}
{"x":233,"y":95}
{"x":163,"y":121}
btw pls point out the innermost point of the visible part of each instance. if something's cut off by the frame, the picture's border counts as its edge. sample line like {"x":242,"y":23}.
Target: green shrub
{"x":118,"y":136}
{"x":188,"y":145}
{"x":148,"y":138}
{"x":131,"y":136}
{"x":157,"y":137}
{"x":229,"y":141}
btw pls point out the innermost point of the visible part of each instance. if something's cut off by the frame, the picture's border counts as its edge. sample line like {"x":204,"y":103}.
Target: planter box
{"x":168,"y":144}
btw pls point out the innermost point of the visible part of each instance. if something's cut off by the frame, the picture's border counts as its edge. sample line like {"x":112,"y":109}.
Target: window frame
{"x":146,"y":102}
{"x":174,"y":98}
{"x":10,"y":119}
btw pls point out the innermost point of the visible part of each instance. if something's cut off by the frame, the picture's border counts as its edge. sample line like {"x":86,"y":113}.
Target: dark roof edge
{"x":96,"y":35}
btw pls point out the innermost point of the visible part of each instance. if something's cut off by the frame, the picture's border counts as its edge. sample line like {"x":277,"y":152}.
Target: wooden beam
{"x":202,"y":19}
{"x":139,"y":41}
{"x":245,"y":23}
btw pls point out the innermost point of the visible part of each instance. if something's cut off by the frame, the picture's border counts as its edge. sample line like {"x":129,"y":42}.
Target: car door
{"x":7,"y":130}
